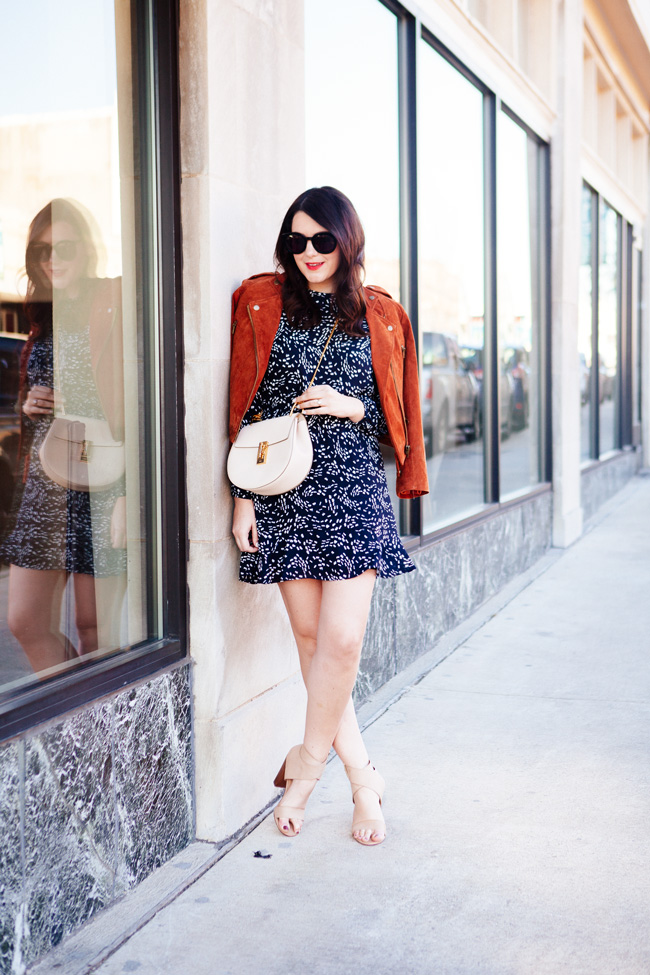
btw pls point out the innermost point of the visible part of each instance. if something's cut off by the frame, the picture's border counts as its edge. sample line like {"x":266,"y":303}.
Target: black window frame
{"x":492,"y":105}
{"x":413,"y":29}
{"x":625,"y":320}
{"x":157,"y":84}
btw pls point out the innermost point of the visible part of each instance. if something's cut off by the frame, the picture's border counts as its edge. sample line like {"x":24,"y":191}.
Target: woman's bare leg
{"x":34,"y":613}
{"x":85,"y":611}
{"x":98,"y":610}
{"x":109,"y":599}
{"x":302,"y":600}
{"x":329,"y":620}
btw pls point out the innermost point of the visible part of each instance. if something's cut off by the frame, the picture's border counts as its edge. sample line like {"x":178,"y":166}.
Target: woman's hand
{"x":244,"y":526}
{"x":325,"y":401}
{"x":39,"y":402}
{"x":118,"y":524}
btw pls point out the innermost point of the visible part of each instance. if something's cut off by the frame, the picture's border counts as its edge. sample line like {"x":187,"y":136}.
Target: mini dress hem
{"x":382,"y":573}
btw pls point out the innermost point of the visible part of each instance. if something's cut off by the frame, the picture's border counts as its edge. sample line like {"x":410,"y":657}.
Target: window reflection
{"x":585,"y":319}
{"x":608,"y":298}
{"x":70,"y":513}
{"x":450,"y":205}
{"x":519,"y":305}
{"x":77,"y":472}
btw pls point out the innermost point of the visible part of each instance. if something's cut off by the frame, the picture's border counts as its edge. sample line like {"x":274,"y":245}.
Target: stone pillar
{"x":242,"y":157}
{"x":565,"y":237}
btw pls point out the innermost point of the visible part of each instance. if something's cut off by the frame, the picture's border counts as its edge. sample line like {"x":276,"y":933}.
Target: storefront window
{"x":451,"y":287}
{"x":519,"y":305}
{"x":585,"y":323}
{"x":79,"y":463}
{"x":608,"y":315}
{"x":452,"y":190}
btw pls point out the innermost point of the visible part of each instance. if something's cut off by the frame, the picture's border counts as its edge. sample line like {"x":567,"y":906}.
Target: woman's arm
{"x":38,"y":402}
{"x":244,"y":526}
{"x":325,"y":401}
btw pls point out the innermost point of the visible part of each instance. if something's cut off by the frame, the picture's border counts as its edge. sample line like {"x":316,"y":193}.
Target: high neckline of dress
{"x":321,"y":295}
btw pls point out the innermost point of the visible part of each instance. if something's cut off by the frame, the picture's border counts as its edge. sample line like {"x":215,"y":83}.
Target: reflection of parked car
{"x":516,"y":361}
{"x":449,"y":393}
{"x":606,"y":380}
{"x":11,"y":345}
{"x":473,"y":359}
{"x":585,"y":377}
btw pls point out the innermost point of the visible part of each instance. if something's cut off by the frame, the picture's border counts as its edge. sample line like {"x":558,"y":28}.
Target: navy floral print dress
{"x":339,"y":521}
{"x":55,"y":527}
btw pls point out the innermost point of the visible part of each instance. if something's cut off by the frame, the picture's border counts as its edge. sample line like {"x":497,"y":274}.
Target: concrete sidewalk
{"x":517,"y":807}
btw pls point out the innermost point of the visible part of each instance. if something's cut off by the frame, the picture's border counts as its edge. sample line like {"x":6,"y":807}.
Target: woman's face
{"x":62,"y":257}
{"x":319,"y":269}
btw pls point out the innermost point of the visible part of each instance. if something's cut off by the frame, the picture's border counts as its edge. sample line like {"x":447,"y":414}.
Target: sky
{"x":75,"y":43}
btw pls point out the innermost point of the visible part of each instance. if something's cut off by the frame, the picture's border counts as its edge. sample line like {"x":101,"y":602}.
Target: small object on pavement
{"x":263,"y":854}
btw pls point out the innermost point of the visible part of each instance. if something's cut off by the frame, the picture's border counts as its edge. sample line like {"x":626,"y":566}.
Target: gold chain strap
{"x":311,"y":382}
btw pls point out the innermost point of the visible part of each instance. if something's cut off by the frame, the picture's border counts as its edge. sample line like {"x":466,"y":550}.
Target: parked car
{"x":516,"y":361}
{"x":11,"y":346}
{"x":450,"y":393}
{"x":473,"y":358}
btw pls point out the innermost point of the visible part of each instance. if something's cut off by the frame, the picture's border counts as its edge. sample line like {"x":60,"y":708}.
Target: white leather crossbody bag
{"x":274,"y":456}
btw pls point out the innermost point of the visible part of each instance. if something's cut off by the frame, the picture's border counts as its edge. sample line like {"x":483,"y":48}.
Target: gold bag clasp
{"x":84,"y":452}
{"x":262,"y":451}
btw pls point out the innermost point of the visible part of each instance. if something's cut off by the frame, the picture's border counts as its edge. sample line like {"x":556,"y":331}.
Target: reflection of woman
{"x":327,"y":540}
{"x":75,"y":338}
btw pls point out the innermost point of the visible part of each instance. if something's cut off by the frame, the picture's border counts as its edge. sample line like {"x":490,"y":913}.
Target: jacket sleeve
{"x":412,"y":479}
{"x":373,"y":421}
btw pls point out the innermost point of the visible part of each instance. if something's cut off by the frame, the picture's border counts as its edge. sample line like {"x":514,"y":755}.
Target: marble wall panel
{"x":88,"y":806}
{"x":455,"y":576}
{"x":11,"y":861}
{"x":600,"y":482}
{"x":378,"y":656}
{"x":69,"y":826}
{"x":153,"y":775}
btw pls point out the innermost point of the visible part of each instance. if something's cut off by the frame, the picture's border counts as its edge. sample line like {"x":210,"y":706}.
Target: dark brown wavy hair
{"x":333,"y":211}
{"x":38,"y":300}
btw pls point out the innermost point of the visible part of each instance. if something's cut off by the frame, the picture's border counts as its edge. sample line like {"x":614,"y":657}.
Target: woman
{"x":326,"y":541}
{"x":72,"y":360}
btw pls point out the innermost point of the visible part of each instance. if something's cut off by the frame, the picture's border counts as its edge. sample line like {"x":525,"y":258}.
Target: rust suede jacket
{"x":256,"y":313}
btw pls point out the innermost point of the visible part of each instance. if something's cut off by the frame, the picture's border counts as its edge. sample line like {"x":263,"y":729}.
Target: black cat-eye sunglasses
{"x":323,"y":242}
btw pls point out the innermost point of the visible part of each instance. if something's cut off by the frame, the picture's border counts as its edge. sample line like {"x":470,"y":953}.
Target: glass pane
{"x":608,"y":298}
{"x":340,"y":38}
{"x":77,"y":578}
{"x":450,"y":219}
{"x":585,"y":313}
{"x":637,"y":306}
{"x":519,"y":256}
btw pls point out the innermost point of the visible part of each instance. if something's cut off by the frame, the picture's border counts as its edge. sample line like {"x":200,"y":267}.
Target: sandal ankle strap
{"x":365,"y":778}
{"x":297,"y":767}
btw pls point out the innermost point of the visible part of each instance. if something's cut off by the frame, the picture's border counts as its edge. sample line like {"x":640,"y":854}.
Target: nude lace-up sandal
{"x":295,"y":767}
{"x":366,"y":778}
